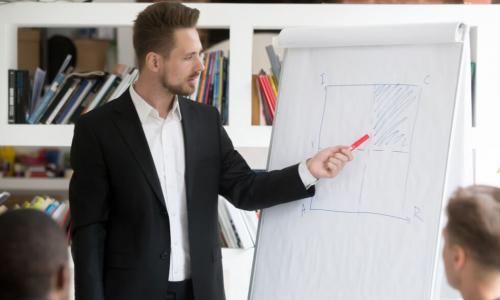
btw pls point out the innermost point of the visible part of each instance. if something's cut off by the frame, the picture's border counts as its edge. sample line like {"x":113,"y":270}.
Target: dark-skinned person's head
{"x":33,"y":257}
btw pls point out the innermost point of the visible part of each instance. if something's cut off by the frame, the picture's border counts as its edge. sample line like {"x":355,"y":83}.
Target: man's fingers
{"x":341,"y":156}
{"x":332,"y":150}
{"x":338,"y":162}
{"x":332,"y":167}
{"x":347,"y":152}
{"x":339,"y":150}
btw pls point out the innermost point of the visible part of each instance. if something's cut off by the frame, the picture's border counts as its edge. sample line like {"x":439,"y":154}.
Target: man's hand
{"x":328,"y":162}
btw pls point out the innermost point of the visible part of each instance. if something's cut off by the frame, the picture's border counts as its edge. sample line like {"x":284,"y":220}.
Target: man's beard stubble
{"x":182,"y":89}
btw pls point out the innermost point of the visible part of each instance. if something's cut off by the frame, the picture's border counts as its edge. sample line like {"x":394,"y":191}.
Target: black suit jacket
{"x":120,"y":225}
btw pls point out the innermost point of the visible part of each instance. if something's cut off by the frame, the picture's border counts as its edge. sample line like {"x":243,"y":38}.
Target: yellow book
{"x":8,"y":154}
{"x":37,"y":202}
{"x":255,"y":102}
{"x":273,"y":84}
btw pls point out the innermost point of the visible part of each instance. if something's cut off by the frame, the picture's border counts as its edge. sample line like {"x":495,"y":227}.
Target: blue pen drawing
{"x":374,"y":183}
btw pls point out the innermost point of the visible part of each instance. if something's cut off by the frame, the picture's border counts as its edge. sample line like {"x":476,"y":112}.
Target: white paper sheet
{"x":373,"y":231}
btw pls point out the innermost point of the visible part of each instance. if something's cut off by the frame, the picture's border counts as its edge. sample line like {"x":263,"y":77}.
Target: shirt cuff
{"x":307,"y":178}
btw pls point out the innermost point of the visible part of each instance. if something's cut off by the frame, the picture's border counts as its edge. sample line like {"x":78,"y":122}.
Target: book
{"x":114,"y":85}
{"x":38,"y":81}
{"x":58,"y":95}
{"x":123,"y":84}
{"x":270,"y":92}
{"x":65,"y":93}
{"x":245,"y":239}
{"x":274,"y":60}
{"x":252,"y":223}
{"x":22,"y":96}
{"x":101,"y":93}
{"x":227,"y":229}
{"x":48,"y":97}
{"x":197,"y":87}
{"x":87,"y":100}
{"x":264,"y":104}
{"x":60,"y":211}
{"x":208,"y":81}
{"x":75,"y":101}
{"x":74,"y":84}
{"x":201,"y":84}
{"x":12,"y":96}
{"x":130,"y":81}
{"x":255,"y":102}
{"x":274,"y":86}
{"x":221,"y":82}
{"x":225,"y":95}
{"x":52,"y":207}
{"x":4,"y":196}
{"x":215,"y":80}
{"x":266,"y":92}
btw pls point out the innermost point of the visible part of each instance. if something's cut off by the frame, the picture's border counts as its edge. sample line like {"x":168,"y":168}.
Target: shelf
{"x":61,"y":135}
{"x":34,"y":184}
{"x":252,"y":141}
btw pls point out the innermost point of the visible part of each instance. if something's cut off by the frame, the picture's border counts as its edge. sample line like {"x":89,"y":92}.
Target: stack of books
{"x":58,"y":210}
{"x":265,"y":91}
{"x":238,"y":228}
{"x":67,"y":97}
{"x":212,"y":87}
{"x":72,"y":94}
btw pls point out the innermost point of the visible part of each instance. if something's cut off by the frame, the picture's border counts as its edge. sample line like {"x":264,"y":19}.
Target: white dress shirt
{"x":166,"y":144}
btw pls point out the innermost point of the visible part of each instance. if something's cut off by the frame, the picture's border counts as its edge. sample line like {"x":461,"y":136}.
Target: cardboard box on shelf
{"x":91,"y":54}
{"x":28,"y":49}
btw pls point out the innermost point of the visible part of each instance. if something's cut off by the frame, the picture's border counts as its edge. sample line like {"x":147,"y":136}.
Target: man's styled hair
{"x":474,"y":223}
{"x":33,"y":249}
{"x":155,"y":26}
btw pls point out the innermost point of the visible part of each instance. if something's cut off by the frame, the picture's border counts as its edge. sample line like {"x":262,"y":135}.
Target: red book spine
{"x":267,"y":97}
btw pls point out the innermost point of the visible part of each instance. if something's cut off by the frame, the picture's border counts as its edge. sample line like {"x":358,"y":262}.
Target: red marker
{"x":359,"y":142}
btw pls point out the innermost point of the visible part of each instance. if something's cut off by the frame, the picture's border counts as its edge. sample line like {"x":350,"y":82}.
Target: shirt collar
{"x":145,"y":110}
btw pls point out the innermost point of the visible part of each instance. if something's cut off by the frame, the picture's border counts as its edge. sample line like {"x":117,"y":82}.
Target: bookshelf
{"x":242,"y":20}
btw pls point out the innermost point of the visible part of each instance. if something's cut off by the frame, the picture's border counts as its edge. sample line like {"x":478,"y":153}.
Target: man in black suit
{"x":148,"y":169}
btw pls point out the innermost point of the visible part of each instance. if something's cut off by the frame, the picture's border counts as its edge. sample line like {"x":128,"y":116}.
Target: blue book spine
{"x":51,"y":208}
{"x":47,"y":98}
{"x":65,"y":109}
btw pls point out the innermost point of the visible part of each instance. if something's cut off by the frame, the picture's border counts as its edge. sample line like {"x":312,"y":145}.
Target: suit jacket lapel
{"x":190,"y":140}
{"x":128,"y":124}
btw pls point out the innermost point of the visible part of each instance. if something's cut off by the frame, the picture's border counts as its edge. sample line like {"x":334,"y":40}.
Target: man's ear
{"x":152,"y":61}
{"x":459,"y":257}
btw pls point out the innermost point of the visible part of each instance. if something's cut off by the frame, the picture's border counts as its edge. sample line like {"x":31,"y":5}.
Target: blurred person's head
{"x":33,"y":257}
{"x":471,"y":250}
